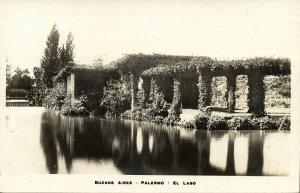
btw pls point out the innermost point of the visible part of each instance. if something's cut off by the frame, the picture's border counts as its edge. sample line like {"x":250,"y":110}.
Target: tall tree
{"x":66,"y":52}
{"x":50,"y":62}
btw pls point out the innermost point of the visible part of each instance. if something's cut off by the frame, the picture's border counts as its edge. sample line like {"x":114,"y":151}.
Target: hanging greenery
{"x":204,"y":86}
{"x":137,"y":63}
{"x":266,"y":66}
{"x":146,"y":87}
{"x":256,"y":95}
{"x":177,"y":98}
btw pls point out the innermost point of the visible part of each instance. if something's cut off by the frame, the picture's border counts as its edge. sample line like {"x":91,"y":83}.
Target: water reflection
{"x":112,"y":146}
{"x":241,"y":154}
{"x":48,"y":144}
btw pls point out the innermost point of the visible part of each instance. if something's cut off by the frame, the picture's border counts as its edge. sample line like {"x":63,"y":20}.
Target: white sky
{"x":107,"y":29}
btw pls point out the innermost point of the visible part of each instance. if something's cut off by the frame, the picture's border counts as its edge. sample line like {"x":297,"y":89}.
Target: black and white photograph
{"x":149,"y":96}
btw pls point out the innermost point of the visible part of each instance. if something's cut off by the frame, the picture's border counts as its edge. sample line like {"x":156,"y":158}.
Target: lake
{"x":40,"y":141}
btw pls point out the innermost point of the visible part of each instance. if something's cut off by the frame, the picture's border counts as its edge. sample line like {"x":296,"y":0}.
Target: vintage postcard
{"x":149,"y":96}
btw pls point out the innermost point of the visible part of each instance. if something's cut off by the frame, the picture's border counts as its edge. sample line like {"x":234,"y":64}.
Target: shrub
{"x":172,"y":118}
{"x":187,"y":124}
{"x":217,"y":123}
{"x":55,"y":96}
{"x":240,"y":123}
{"x":264,"y":123}
{"x":201,"y":120}
{"x":78,"y":109}
{"x":284,"y":123}
{"x":117,"y":97}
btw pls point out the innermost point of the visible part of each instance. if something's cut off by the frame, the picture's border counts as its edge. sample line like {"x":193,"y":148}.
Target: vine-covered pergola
{"x":186,"y":80}
{"x":86,"y":80}
{"x":183,"y":81}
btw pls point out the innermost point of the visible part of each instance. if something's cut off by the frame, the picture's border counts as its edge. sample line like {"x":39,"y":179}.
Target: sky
{"x":108,"y":29}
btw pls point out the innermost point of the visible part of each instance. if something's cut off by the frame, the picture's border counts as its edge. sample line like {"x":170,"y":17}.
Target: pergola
{"x":197,"y":72}
{"x":182,"y":80}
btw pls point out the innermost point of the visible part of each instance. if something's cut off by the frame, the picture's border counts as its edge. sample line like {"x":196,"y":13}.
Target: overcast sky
{"x":108,"y":29}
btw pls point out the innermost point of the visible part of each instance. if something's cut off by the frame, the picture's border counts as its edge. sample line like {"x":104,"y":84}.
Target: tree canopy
{"x":66,"y":52}
{"x":21,"y":79}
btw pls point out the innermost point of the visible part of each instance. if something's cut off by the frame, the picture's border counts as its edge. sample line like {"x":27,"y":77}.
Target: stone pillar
{"x":177,"y":97}
{"x":146,"y":90}
{"x":204,"y":86}
{"x":256,"y":95}
{"x":71,"y":88}
{"x":231,"y":86}
{"x":134,"y":89}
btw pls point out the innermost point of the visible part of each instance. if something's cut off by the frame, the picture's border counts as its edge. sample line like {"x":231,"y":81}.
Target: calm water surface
{"x":41,"y":141}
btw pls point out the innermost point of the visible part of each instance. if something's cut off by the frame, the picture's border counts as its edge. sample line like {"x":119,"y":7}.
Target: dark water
{"x":45,"y":142}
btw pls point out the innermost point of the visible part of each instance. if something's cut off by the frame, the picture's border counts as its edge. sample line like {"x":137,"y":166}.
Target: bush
{"x":55,"y":97}
{"x":187,"y":124}
{"x":217,"y":123}
{"x":201,"y":120}
{"x":172,"y":118}
{"x":284,"y":123}
{"x":240,"y":123}
{"x":78,"y":109}
{"x":117,"y":97}
{"x":264,"y":123}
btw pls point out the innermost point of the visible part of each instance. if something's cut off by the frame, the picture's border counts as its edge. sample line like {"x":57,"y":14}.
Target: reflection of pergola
{"x":188,"y":80}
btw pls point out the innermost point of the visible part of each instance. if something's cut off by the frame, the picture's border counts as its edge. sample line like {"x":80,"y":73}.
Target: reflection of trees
{"x":47,"y":140}
{"x":65,"y":139}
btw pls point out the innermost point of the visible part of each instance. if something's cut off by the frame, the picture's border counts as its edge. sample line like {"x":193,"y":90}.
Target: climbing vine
{"x":177,"y":98}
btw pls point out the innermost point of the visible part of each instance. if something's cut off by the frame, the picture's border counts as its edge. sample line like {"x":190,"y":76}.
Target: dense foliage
{"x":55,"y":97}
{"x":117,"y":97}
{"x":267,"y":66}
{"x":21,"y":79}
{"x":206,"y":121}
{"x":80,"y":108}
{"x":137,"y":63}
{"x":156,"y":112}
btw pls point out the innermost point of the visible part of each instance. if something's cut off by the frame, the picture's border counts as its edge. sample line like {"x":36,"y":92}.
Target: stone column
{"x":204,"y":86}
{"x":177,"y":97}
{"x":134,"y":89}
{"x":256,"y":95}
{"x":71,"y":88}
{"x":231,"y":86}
{"x":146,"y":90}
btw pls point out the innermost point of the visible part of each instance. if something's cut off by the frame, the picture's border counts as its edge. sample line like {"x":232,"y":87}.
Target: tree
{"x":21,"y":79}
{"x":8,"y":74}
{"x":66,"y":52}
{"x":50,"y":62}
{"x":98,"y":63}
